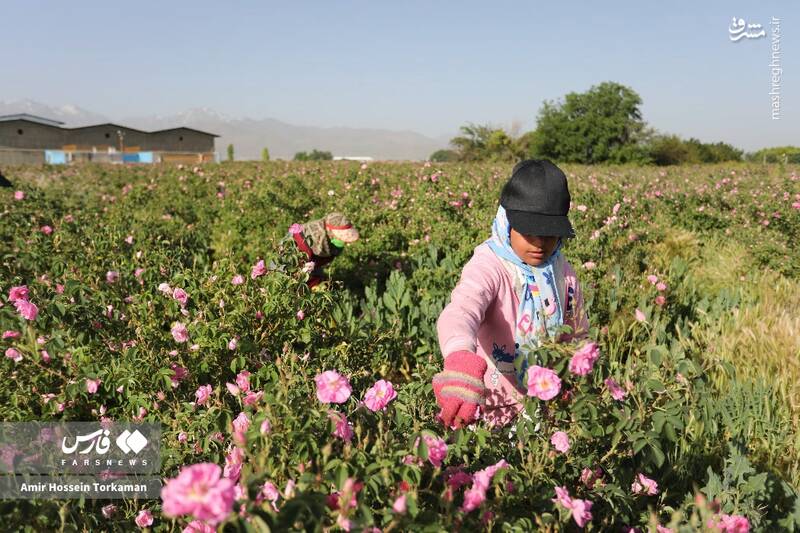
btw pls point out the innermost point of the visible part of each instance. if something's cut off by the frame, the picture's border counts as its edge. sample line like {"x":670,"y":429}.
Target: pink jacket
{"x":480,"y":318}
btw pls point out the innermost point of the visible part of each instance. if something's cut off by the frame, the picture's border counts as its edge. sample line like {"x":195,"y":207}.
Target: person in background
{"x":516,"y":290}
{"x":322,"y":240}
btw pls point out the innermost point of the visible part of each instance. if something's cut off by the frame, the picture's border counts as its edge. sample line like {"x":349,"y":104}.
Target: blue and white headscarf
{"x":540,"y":310}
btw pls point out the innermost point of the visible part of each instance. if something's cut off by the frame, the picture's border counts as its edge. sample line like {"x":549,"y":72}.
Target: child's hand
{"x":459,"y":388}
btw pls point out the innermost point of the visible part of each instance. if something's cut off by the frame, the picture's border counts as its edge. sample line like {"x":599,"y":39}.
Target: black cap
{"x":536,"y":199}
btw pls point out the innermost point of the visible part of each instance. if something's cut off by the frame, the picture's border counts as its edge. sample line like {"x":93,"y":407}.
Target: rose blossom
{"x":583,"y":359}
{"x":12,"y":353}
{"x":644,"y":485}
{"x":379,"y":395}
{"x":561,"y":441}
{"x":19,"y":292}
{"x":543,"y":383}
{"x":332,"y":387}
{"x":179,"y":332}
{"x":617,"y":392}
{"x":26,"y":309}
{"x":258,"y":269}
{"x":200,"y":491}
{"x":144,"y":518}
{"x":180,"y":295}
{"x":343,"y":429}
{"x":202,"y":394}
{"x":92,"y":385}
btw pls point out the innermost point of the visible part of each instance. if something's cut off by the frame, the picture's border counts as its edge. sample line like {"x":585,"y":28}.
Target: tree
{"x":471,"y":146}
{"x":603,"y":124}
{"x":444,"y":156}
{"x":525,"y":146}
{"x":314,"y":155}
{"x":776,"y":154}
{"x":265,"y":154}
{"x":669,"y":150}
{"x":672,"y":150}
{"x":230,"y":152}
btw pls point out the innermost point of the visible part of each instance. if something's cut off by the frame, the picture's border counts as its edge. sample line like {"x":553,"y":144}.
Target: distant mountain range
{"x":249,"y":136}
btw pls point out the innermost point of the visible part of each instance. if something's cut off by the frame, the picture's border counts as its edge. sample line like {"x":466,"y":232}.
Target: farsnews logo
{"x":99,"y":441}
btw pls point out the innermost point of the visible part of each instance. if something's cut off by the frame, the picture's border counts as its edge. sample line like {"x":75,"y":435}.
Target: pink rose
{"x":258,"y":269}
{"x":11,"y":334}
{"x":561,"y":441}
{"x":144,"y":518}
{"x":379,"y":395}
{"x":617,"y":392}
{"x":241,"y":423}
{"x":200,"y":491}
{"x":644,"y":485}
{"x":238,"y":279}
{"x":243,"y":380}
{"x":11,"y":353}
{"x":26,"y":309}
{"x":295,"y":228}
{"x":583,"y":360}
{"x":730,"y":523}
{"x":92,"y":385}
{"x":639,"y":315}
{"x":473,"y":498}
{"x":19,"y":195}
{"x":253,"y":397}
{"x":437,"y":449}
{"x":47,"y":230}
{"x":661,"y":286}
{"x":112,"y":276}
{"x":543,"y":383}
{"x":660,"y":300}
{"x":19,"y":292}
{"x":343,"y":429}
{"x":580,"y":509}
{"x":332,"y":387}
{"x":179,"y":332}
{"x":203,"y":393}
{"x":652,"y":279}
{"x":399,"y":505}
{"x":196,"y":526}
{"x":590,"y":477}
{"x":181,"y":296}
{"x":481,"y":481}
{"x":180,"y":374}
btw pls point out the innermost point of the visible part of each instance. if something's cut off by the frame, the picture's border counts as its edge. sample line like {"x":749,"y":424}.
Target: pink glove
{"x":459,"y":388}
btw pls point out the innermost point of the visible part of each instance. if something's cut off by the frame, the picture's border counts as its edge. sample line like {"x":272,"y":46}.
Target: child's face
{"x":533,"y":250}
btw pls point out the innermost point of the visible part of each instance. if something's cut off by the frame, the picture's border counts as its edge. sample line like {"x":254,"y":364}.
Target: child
{"x":322,"y":240}
{"x":516,"y":288}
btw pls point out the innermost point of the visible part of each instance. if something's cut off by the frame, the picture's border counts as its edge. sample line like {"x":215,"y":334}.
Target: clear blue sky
{"x":425,"y":66}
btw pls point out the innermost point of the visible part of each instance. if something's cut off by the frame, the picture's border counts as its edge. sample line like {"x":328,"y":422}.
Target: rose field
{"x":161,"y":293}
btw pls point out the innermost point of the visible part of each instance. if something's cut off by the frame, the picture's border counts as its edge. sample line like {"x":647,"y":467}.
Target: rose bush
{"x":152,"y":298}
